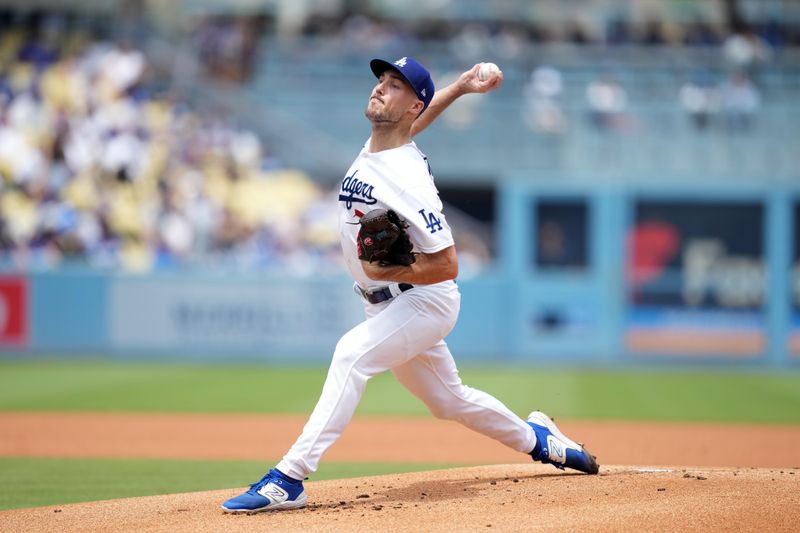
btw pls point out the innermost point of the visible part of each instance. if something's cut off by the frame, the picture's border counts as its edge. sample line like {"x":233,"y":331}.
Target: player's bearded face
{"x":390,"y":100}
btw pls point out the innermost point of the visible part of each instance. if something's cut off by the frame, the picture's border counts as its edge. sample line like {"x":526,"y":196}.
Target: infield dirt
{"x":691,"y":477}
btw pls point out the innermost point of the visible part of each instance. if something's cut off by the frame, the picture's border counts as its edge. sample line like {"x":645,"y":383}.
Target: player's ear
{"x":417,"y":108}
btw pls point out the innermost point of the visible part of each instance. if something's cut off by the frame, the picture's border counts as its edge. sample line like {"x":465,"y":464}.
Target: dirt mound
{"x":504,"y":497}
{"x":508,"y":497}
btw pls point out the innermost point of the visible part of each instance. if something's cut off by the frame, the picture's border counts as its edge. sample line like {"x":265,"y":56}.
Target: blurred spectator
{"x":122,"y":68}
{"x":40,"y":47}
{"x":774,"y":33}
{"x":543,"y":111}
{"x":701,"y":33}
{"x":608,"y":103}
{"x":618,"y":32}
{"x":745,"y":51}
{"x":700,"y":99}
{"x":226,"y":45}
{"x":741,"y":101}
{"x":654,"y":33}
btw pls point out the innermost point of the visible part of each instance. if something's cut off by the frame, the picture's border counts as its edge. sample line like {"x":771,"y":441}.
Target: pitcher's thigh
{"x":432,"y":376}
{"x":389,"y":338}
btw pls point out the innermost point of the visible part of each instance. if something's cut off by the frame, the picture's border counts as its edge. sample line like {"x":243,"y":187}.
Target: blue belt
{"x":377,"y":296}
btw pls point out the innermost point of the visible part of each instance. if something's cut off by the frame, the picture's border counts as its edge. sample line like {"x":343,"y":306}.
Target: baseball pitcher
{"x":399,"y":249}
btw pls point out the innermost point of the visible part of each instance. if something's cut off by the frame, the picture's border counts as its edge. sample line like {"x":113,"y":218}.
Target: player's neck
{"x":384,"y":138}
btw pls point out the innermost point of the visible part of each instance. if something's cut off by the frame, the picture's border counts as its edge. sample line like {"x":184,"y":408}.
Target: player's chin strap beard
{"x":380,"y":120}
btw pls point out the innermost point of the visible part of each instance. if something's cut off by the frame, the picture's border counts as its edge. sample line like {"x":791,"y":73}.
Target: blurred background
{"x":168,"y":176}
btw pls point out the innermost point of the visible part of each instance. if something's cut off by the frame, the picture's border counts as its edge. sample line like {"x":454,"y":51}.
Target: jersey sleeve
{"x":421,"y":208}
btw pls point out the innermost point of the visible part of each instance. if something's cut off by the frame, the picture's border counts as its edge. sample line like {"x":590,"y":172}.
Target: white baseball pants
{"x":405,"y":335}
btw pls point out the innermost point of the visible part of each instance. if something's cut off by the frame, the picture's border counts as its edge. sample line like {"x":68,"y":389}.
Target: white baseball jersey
{"x":406,"y":333}
{"x":398,"y":179}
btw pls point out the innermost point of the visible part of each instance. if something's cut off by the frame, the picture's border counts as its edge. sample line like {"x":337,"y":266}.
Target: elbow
{"x":452,"y":268}
{"x":448,"y":264}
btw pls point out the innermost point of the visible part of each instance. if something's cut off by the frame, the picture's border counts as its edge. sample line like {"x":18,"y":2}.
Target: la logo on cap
{"x":401,"y":62}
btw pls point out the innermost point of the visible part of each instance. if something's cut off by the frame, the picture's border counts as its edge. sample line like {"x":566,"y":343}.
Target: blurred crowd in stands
{"x":97,"y":170}
{"x":592,"y":26}
{"x":726,"y":98}
{"x":728,"y":103}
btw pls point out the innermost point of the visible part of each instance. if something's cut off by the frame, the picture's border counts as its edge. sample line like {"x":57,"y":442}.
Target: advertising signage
{"x":13,"y":312}
{"x":695,"y":275}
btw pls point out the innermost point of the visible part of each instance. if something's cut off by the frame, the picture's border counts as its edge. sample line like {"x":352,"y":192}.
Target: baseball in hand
{"x":486,"y":71}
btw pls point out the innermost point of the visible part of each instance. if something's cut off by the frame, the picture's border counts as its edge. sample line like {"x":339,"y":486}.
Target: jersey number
{"x":431,"y":222}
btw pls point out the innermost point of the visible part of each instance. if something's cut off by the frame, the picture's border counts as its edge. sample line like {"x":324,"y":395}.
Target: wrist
{"x":459,"y":88}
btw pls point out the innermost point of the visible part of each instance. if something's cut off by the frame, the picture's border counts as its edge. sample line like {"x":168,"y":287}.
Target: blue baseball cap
{"x":414,"y":73}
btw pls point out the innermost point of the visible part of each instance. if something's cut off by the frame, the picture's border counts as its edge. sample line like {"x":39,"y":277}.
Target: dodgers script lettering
{"x":356,"y":191}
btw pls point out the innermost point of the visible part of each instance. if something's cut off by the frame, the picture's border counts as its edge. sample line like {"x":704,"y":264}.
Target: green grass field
{"x":32,"y":482}
{"x":625,"y":395}
{"x":59,"y":385}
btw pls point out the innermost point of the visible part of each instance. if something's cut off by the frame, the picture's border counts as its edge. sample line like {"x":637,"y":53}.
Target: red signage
{"x":13,"y":311}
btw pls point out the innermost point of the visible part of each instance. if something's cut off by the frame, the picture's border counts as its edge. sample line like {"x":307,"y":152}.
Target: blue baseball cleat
{"x":275,"y":491}
{"x":553,"y":447}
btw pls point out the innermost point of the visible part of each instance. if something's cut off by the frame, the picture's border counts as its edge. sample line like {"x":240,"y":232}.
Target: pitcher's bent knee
{"x":443,"y":412}
{"x":345,"y":355}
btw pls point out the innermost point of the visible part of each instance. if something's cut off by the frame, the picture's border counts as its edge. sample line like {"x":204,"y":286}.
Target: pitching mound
{"x":504,"y":497}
